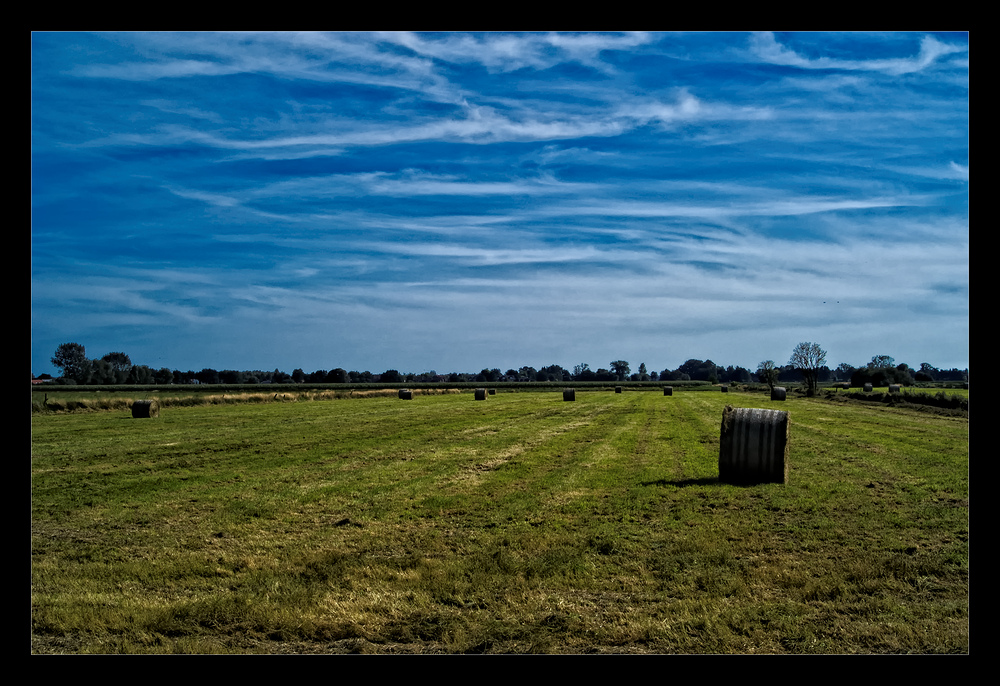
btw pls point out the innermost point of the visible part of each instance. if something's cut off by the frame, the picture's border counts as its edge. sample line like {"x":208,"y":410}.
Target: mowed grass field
{"x":519,"y":524}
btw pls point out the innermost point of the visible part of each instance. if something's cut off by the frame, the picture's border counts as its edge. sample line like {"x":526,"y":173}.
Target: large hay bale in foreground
{"x":778,"y":393}
{"x":480,"y":394}
{"x":569,"y":394}
{"x":753,"y":446}
{"x":867,"y":388}
{"x":668,"y":390}
{"x":144,"y":409}
{"x":405,"y":394}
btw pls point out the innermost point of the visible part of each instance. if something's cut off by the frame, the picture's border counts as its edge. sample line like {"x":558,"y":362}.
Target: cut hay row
{"x":124,"y":403}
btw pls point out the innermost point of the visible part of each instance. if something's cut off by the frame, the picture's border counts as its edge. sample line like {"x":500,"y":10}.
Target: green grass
{"x":518,"y":524}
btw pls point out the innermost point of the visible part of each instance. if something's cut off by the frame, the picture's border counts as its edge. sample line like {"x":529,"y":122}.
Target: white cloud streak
{"x":764,"y":46}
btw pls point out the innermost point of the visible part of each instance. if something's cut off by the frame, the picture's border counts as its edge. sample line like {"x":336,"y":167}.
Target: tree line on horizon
{"x":807,"y":365}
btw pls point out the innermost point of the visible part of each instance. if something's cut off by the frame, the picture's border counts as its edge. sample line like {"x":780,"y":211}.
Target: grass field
{"x":520,"y":524}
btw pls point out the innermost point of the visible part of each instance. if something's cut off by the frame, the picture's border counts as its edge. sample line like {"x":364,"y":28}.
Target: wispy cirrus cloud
{"x":764,"y":46}
{"x":292,"y":193}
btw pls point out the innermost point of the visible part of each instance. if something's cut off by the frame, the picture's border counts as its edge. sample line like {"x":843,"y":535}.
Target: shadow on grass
{"x":706,"y":481}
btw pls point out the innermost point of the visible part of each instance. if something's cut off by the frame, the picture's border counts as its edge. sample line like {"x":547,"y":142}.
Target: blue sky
{"x":451,"y":201}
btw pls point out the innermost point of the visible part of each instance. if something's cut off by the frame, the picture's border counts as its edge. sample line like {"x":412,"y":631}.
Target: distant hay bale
{"x":405,"y":394}
{"x":778,"y":393}
{"x":569,"y":394}
{"x":618,"y":389}
{"x":145,"y":409}
{"x":894,"y":388}
{"x":753,"y":446}
{"x":493,"y":391}
{"x":480,"y":394}
{"x":725,"y":389}
{"x":668,"y":390}
{"x":868,"y":388}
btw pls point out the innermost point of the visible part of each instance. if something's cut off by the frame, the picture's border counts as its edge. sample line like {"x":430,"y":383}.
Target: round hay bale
{"x":144,"y":409}
{"x":405,"y":394}
{"x":618,"y":389}
{"x":569,"y":394}
{"x":753,"y":446}
{"x":668,"y":390}
{"x":868,"y":388}
{"x":480,"y":394}
{"x":894,"y":388}
{"x":778,"y":393}
{"x":725,"y":389}
{"x":493,"y":391}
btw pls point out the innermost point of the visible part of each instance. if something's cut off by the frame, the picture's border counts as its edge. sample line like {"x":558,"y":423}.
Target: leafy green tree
{"x":164,"y":376}
{"x":232,"y":376}
{"x":553,"y":372}
{"x":120,"y":364}
{"x":141,"y":374}
{"x":209,"y":376}
{"x":338,"y":375}
{"x":621,"y":369}
{"x":72,"y":359}
{"x":881,"y":362}
{"x":844,"y":371}
{"x":390,"y":376}
{"x":298,"y":376}
{"x":603,"y":374}
{"x":317,"y":376}
{"x":927,"y":372}
{"x":278,"y":376}
{"x":101,"y":372}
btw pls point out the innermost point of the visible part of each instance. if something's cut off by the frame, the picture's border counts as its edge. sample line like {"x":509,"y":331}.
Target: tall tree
{"x":844,"y":371}
{"x":768,"y":373}
{"x":928,"y":372}
{"x":808,"y":358}
{"x":120,"y":365}
{"x":621,"y":369}
{"x":881,"y":362}
{"x":72,"y":359}
{"x":390,"y":376}
{"x":207,"y":376}
{"x":338,"y":375}
{"x":141,"y":374}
